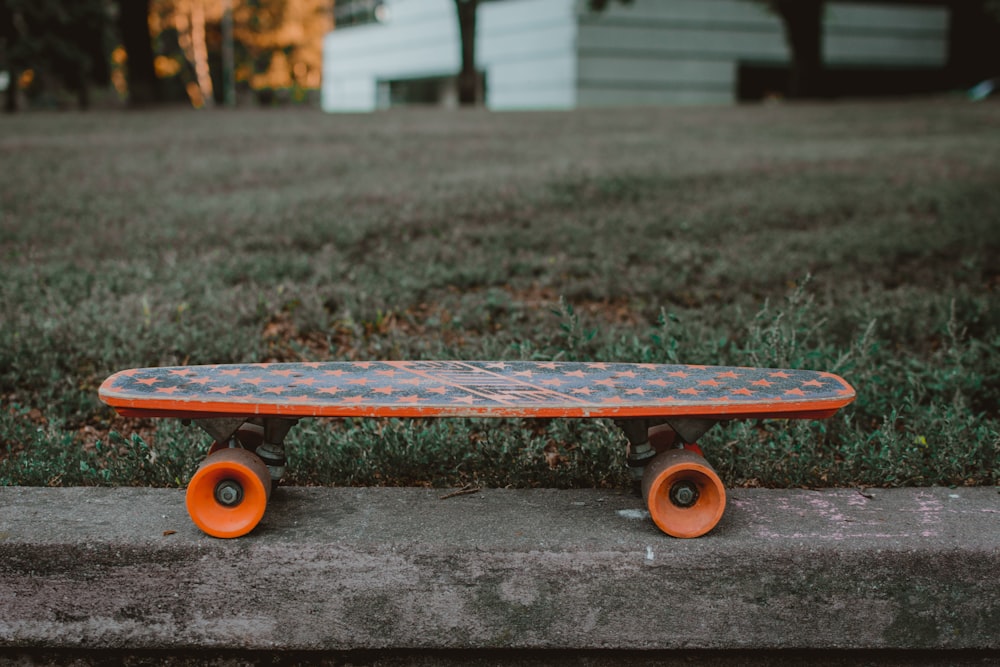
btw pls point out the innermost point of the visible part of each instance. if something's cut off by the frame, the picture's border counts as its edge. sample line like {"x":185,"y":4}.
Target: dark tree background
{"x":63,"y":42}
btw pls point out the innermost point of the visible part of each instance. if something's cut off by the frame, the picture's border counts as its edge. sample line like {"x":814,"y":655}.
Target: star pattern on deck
{"x":510,"y":384}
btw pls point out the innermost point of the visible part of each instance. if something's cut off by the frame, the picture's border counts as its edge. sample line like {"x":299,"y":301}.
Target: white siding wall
{"x":527,"y":49}
{"x":885,"y":35}
{"x":674,"y":52}
{"x":419,"y":39}
{"x":524,"y":46}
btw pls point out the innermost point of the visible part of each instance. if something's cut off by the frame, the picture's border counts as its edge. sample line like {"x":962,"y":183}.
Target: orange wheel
{"x":228,"y":494}
{"x":684,"y":495}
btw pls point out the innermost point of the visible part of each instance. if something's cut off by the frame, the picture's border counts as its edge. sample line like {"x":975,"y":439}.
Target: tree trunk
{"x":803,"y":21}
{"x":133,"y":24}
{"x":468,"y":77}
{"x":200,"y":51}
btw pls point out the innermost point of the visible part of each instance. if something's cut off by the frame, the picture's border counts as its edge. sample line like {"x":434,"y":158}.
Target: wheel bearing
{"x":684,"y":493}
{"x":229,"y":492}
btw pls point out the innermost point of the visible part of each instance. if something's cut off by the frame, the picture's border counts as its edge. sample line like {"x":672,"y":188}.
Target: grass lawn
{"x":862,"y":239}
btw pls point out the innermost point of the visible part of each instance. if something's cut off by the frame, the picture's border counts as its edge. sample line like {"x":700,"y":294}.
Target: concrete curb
{"x":374,"y":569}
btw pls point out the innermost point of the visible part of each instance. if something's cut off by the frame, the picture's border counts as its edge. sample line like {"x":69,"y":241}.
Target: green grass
{"x":857,"y":238}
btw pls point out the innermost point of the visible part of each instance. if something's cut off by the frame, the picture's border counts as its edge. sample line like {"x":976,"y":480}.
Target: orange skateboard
{"x":663,"y":409}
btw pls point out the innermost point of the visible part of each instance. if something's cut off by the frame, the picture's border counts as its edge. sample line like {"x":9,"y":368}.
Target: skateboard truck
{"x":690,"y":429}
{"x":639,"y":431}
{"x":684,"y":495}
{"x":272,"y":450}
{"x":221,"y":430}
{"x":640,"y":451}
{"x":228,"y":493}
{"x":266,"y":441}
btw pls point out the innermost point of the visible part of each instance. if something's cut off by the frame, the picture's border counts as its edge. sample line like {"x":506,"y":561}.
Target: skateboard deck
{"x":663,"y":409}
{"x":474,"y":389}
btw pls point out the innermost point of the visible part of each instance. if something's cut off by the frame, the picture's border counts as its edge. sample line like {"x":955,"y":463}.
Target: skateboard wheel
{"x":684,"y":495}
{"x":227,"y":496}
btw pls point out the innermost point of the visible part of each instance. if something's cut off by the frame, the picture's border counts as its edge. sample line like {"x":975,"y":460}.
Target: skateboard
{"x":663,"y":410}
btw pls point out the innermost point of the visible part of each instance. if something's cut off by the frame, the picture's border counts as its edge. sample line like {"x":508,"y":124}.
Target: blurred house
{"x":557,"y":54}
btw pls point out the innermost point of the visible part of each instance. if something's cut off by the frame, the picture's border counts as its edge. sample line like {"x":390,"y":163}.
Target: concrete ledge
{"x":371,"y":569}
